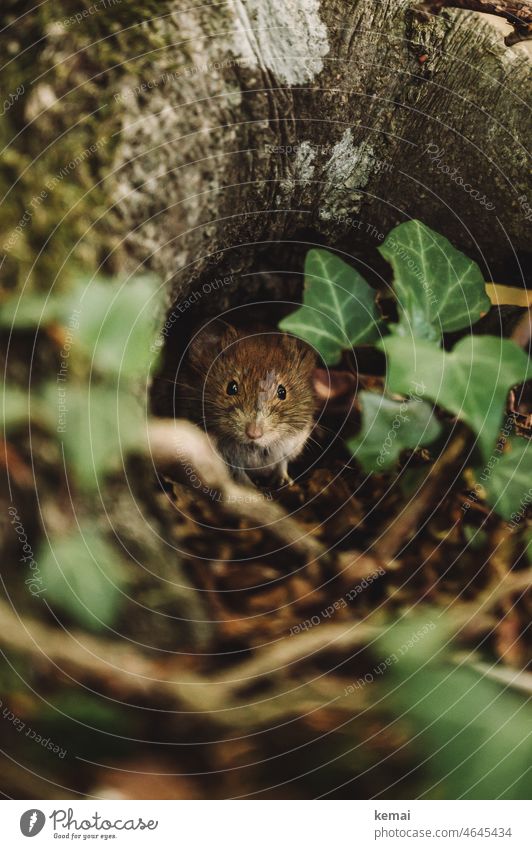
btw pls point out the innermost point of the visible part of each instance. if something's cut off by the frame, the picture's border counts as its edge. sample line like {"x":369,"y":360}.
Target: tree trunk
{"x":211,"y":143}
{"x":322,"y":121}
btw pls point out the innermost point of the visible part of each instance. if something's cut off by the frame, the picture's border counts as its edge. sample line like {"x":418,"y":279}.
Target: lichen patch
{"x":302,"y":168}
{"x":287,"y":39}
{"x":347,"y":172}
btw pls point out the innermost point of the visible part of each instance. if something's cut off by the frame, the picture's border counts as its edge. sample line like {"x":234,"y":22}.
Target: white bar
{"x":348,"y":824}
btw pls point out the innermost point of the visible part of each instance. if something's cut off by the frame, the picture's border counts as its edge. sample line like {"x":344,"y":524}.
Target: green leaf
{"x":389,"y":427}
{"x":475,"y":733}
{"x":338,"y":309}
{"x":15,"y":407}
{"x":83,"y":576}
{"x":98,"y":425}
{"x":19,"y":407}
{"x":86,"y":709}
{"x":508,"y":482}
{"x":112,"y":325}
{"x":476,"y":538}
{"x":116,"y":326}
{"x":438,"y":288}
{"x":28,"y":310}
{"x":472,"y":382}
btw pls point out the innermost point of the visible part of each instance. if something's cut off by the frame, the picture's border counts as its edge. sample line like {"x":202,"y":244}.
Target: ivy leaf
{"x":438,"y":288}
{"x":111,"y":325}
{"x":20,"y":407}
{"x":32,"y":309}
{"x":472,"y":382}
{"x":15,"y":407}
{"x":98,"y":426}
{"x":389,"y":427}
{"x":83,"y":576}
{"x":116,"y":326}
{"x":508,"y":482}
{"x":338,"y":309}
{"x":462,"y":721}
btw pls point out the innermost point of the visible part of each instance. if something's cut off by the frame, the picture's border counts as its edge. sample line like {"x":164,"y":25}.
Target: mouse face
{"x":257,"y":395}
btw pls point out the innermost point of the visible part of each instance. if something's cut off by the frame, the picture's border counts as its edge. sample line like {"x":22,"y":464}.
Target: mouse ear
{"x":209,"y":342}
{"x":308,"y":356}
{"x":298,"y":348}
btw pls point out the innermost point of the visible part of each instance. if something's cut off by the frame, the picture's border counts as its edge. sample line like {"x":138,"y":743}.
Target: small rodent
{"x":252,"y":390}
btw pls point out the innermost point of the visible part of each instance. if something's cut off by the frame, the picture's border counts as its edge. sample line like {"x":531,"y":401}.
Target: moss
{"x":60,"y":133}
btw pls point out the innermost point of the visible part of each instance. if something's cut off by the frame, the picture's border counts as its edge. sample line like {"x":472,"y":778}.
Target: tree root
{"x":128,"y":674}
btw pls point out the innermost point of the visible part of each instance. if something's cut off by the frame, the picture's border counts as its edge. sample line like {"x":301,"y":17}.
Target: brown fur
{"x":259,"y":361}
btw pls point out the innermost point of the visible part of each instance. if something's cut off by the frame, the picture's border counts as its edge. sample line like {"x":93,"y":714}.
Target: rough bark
{"x":304,"y":119}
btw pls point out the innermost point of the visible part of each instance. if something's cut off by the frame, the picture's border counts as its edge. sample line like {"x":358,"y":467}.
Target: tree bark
{"x":325,"y":122}
{"x":211,"y":143}
{"x":518,"y":13}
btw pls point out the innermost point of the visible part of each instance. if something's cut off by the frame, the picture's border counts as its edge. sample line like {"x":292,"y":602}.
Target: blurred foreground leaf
{"x":116,"y":326}
{"x":18,"y":407}
{"x":475,"y":733}
{"x":31,"y":309}
{"x":15,"y":407}
{"x":101,"y":425}
{"x":83,"y":576}
{"x":111,"y":323}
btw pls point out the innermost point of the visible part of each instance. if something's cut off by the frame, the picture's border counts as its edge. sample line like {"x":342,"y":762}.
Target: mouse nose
{"x":254,"y":430}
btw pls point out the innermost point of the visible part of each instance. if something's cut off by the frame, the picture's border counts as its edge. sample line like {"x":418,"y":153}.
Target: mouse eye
{"x":281,"y":392}
{"x":232,"y":387}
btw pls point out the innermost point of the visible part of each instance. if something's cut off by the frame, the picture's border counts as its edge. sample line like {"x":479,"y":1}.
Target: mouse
{"x":252,"y":390}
